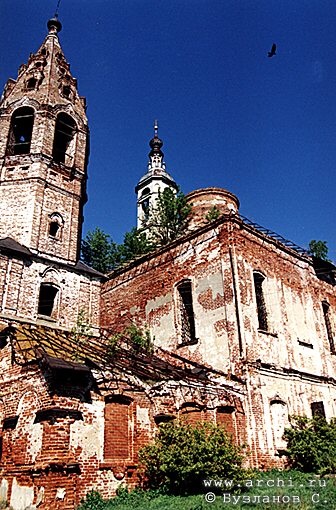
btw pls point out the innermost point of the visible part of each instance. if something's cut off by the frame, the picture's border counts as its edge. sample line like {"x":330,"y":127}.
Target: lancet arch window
{"x":65,"y":130}
{"x":259,"y":283}
{"x":21,"y":130}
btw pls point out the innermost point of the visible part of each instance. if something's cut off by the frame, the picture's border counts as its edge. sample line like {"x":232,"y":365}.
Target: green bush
{"x":93,"y":501}
{"x":311,"y":445}
{"x":182,"y":456}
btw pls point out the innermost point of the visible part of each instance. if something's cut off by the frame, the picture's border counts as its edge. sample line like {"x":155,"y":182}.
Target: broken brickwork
{"x":242,"y":321}
{"x":287,"y":366}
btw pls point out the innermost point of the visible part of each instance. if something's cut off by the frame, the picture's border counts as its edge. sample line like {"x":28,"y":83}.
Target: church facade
{"x":242,"y":321}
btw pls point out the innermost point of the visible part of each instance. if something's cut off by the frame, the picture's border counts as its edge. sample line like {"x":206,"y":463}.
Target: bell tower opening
{"x":20,"y":133}
{"x":64,"y":134}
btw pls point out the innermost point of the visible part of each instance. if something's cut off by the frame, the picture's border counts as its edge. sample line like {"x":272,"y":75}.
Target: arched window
{"x":64,"y":134}
{"x":259,"y":279}
{"x":21,"y":130}
{"x":192,"y":413}
{"x":48,"y":300}
{"x":185,"y":310}
{"x":56,"y":223}
{"x":145,"y":192}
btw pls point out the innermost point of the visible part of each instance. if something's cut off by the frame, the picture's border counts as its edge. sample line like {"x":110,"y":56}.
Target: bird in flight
{"x":273,"y":51}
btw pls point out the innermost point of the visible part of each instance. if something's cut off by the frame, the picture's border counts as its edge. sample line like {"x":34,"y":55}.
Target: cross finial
{"x":57,"y":7}
{"x":156,"y":128}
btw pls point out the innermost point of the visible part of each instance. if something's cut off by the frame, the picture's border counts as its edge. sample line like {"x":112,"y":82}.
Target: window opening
{"x":225,"y":417}
{"x":64,"y":133}
{"x":326,"y":313}
{"x":66,"y":91}
{"x":117,"y":434}
{"x":317,"y":409}
{"x":20,"y":131}
{"x":261,"y":307}
{"x":146,"y":191}
{"x":145,"y":208}
{"x":47,"y":299}
{"x":31,"y":84}
{"x":279,"y":417}
{"x":53,"y":228}
{"x":191,"y":413}
{"x":186,"y":310}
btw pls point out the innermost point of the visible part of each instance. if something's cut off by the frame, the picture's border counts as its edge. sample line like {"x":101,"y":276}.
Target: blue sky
{"x":265,"y":129}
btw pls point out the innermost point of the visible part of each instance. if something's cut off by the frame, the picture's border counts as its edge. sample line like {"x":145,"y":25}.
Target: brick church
{"x":243,"y":321}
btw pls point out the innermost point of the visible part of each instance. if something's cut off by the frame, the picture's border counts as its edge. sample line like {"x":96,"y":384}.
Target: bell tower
{"x":154,"y":181}
{"x":43,"y":154}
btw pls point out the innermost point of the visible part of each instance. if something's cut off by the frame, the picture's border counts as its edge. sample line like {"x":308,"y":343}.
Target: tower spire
{"x":156,"y":154}
{"x":155,"y":180}
{"x":54,"y":25}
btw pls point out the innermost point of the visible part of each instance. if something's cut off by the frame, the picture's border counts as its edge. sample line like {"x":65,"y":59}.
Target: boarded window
{"x":258,"y":279}
{"x":326,"y":313}
{"x":192,"y":413}
{"x":64,"y":133}
{"x":186,"y":312}
{"x":20,"y":132}
{"x":47,"y":299}
{"x":225,"y":417}
{"x":279,"y":417}
{"x":117,"y":435}
{"x":317,"y":409}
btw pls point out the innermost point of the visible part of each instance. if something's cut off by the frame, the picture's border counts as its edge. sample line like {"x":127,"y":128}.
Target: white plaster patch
{"x":213,"y":282}
{"x":40,"y":496}
{"x":35,"y":443}
{"x":158,"y":302}
{"x":21,"y":496}
{"x":60,"y":493}
{"x":89,"y":437}
{"x":3,"y":490}
{"x":142,"y":415}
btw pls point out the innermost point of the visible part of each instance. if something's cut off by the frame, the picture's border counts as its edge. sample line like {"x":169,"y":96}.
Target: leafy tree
{"x":182,"y":456}
{"x":99,"y":251}
{"x":135,"y":244}
{"x":318,"y":249}
{"x":139,"y":339}
{"x":169,"y":218}
{"x":213,"y":214}
{"x":311,"y":444}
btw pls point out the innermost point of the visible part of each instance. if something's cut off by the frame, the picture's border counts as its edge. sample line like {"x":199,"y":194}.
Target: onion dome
{"x":54,"y":25}
{"x":156,"y":143}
